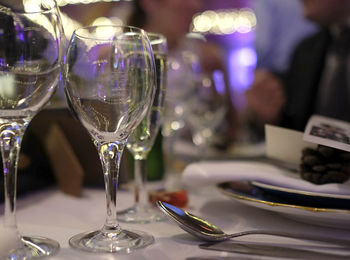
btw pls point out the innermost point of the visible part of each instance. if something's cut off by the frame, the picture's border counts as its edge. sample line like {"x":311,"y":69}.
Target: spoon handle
{"x":335,"y":241}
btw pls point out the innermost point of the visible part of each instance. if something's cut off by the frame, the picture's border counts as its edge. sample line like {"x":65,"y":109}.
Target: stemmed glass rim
{"x":78,"y":31}
{"x":160,"y":38}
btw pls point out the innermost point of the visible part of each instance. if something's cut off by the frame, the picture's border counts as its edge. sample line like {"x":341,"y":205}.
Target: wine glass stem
{"x":110,"y":155}
{"x":141,"y":195}
{"x":10,"y":142}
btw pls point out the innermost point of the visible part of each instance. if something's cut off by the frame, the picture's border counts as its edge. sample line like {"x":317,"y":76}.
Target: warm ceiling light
{"x":224,"y":21}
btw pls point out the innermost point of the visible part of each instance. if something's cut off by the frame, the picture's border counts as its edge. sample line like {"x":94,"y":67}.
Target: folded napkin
{"x":206,"y":173}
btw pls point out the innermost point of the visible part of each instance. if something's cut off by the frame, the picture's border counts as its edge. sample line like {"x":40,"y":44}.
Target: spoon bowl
{"x":206,"y":231}
{"x":192,"y":224}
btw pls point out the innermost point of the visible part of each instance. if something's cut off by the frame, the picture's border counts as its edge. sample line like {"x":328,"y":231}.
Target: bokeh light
{"x":226,"y":21}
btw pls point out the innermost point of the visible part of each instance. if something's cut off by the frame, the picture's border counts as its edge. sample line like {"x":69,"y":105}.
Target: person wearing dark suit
{"x":303,"y":80}
{"x":314,"y":75}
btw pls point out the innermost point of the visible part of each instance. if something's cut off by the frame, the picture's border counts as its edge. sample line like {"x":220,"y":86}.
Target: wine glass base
{"x":97,"y":241}
{"x":35,"y":247}
{"x":141,"y":215}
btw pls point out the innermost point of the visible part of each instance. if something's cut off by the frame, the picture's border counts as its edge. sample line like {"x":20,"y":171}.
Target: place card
{"x":285,"y":144}
{"x":329,"y":132}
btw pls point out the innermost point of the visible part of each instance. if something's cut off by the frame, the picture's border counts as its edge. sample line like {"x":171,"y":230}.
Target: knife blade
{"x":271,"y":250}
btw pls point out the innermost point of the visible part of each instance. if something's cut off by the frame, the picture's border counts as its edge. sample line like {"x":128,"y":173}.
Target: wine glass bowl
{"x":142,"y":139}
{"x":205,"y":110}
{"x":109,"y":87}
{"x":30,"y":61}
{"x":98,"y":83}
{"x":179,"y":81}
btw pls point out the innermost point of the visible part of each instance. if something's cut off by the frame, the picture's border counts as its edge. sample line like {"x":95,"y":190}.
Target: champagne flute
{"x":142,"y":139}
{"x":30,"y":57}
{"x":110,"y":75}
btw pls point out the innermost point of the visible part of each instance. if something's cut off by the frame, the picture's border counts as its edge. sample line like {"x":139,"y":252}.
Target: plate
{"x":305,"y":198}
{"x":245,"y":193}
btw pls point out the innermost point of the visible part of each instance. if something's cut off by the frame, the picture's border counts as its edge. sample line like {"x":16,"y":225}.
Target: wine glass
{"x":183,"y":65}
{"x":110,"y":75}
{"x":30,"y":62}
{"x":206,"y":109}
{"x":142,"y":139}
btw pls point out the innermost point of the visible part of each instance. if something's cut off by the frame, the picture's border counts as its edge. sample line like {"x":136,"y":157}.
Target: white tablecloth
{"x":59,"y":216}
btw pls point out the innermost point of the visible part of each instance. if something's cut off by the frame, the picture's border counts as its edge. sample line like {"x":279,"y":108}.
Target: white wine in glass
{"x":31,"y":51}
{"x":142,"y":139}
{"x":110,"y":75}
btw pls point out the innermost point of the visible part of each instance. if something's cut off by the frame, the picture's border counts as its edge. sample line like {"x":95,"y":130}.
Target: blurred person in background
{"x":316,"y":80}
{"x":275,"y":35}
{"x":172,"y":18}
{"x":275,"y":40}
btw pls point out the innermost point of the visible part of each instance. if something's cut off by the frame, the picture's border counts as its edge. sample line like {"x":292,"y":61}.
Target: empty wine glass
{"x":183,"y":66}
{"x":179,"y":78}
{"x":205,"y":109}
{"x":142,"y":139}
{"x":110,"y":75}
{"x":30,"y":58}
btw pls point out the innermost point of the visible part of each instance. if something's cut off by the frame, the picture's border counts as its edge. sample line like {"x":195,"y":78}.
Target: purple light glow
{"x":241,"y":63}
{"x":21,"y":36}
{"x":219,"y":81}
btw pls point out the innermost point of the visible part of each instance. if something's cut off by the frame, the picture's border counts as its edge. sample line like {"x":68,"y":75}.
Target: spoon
{"x":206,"y":231}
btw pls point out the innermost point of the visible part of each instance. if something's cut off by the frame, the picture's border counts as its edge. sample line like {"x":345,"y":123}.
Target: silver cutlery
{"x":206,"y":231}
{"x":272,"y":251}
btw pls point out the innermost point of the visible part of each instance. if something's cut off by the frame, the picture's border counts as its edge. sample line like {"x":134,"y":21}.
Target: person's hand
{"x":265,"y":98}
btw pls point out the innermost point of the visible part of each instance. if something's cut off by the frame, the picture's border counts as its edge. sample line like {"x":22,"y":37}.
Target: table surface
{"x":54,"y":214}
